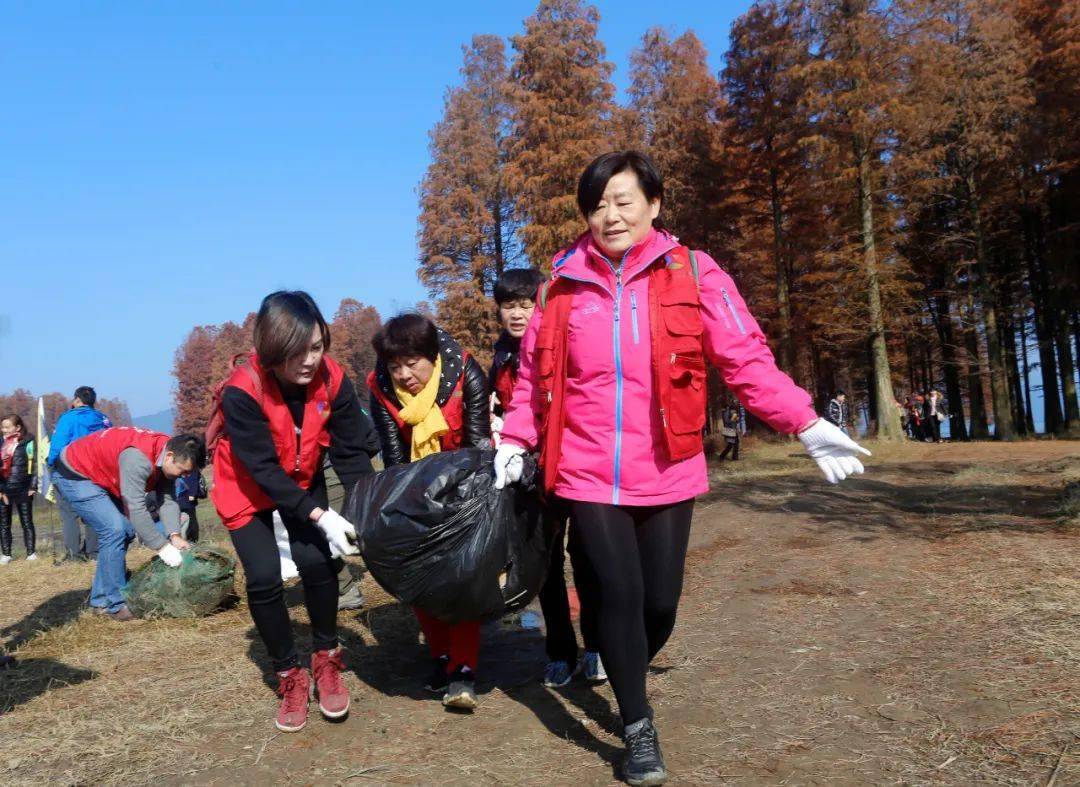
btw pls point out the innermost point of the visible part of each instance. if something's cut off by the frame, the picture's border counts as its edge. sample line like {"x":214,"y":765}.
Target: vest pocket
{"x":688,"y":393}
{"x":682,"y":313}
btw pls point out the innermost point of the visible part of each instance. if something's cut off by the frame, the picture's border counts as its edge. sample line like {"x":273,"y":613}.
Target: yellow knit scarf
{"x":424,"y":416}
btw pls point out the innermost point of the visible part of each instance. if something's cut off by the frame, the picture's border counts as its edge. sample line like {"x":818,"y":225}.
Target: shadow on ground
{"x":393,"y":662}
{"x":53,"y":613}
{"x":919,"y":505}
{"x":30,"y":678}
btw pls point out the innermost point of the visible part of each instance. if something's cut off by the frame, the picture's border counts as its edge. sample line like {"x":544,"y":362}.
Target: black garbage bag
{"x":436,"y":534}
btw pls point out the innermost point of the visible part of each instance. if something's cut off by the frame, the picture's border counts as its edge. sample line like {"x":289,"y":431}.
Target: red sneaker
{"x":326,"y":666}
{"x":294,"y":688}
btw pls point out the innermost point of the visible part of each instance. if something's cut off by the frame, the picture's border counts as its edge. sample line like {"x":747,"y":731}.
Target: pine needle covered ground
{"x":920,"y":625}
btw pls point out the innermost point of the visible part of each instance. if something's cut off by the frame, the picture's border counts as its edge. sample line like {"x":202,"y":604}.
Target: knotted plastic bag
{"x":201,"y":583}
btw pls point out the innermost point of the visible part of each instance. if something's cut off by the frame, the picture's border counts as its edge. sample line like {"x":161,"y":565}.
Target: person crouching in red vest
{"x":105,"y":477}
{"x":284,"y":413}
{"x":429,"y":395}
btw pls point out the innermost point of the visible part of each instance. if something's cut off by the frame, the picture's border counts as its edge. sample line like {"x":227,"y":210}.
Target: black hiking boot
{"x":643,"y":764}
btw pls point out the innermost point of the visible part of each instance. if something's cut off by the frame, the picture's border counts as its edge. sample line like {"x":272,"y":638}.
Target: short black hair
{"x":86,"y":395}
{"x":595,"y":178}
{"x":405,"y":336}
{"x":838,"y":393}
{"x":518,"y":284}
{"x":188,"y":446}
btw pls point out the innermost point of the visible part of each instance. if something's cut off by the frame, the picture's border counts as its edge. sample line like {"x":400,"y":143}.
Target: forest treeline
{"x":893,"y":185}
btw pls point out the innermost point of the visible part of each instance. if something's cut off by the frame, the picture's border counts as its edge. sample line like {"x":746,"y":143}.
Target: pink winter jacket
{"x":613,"y":444}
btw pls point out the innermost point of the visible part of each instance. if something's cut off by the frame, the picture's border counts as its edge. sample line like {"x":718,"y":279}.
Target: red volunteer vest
{"x":453,"y":411}
{"x":236,"y":495}
{"x":505,"y":380}
{"x":97,"y":455}
{"x":678,"y":361}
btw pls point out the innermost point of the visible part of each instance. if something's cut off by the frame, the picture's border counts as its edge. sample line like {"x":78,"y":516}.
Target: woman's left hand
{"x":836,"y":454}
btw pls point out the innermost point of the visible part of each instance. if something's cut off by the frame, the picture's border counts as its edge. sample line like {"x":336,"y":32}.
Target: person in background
{"x":515,"y":299}
{"x":190,"y":489}
{"x":730,"y":432}
{"x":17,"y":485}
{"x":915,"y":420}
{"x":837,"y":412}
{"x":105,"y":477}
{"x":82,"y":419}
{"x":429,"y":395}
{"x":612,"y":390}
{"x":290,"y":406}
{"x":933,"y":414}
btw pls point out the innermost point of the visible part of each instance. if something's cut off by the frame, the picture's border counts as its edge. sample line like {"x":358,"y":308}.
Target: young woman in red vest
{"x":288,"y":408}
{"x":428,"y":395}
{"x":612,"y":391}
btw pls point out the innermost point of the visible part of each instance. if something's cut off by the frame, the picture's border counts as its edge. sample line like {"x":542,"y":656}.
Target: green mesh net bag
{"x":200,"y":585}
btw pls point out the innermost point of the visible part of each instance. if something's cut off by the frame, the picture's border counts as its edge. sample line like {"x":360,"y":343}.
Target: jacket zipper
{"x":296,"y":467}
{"x":618,"y":376}
{"x":734,"y":314}
{"x":633,"y":316}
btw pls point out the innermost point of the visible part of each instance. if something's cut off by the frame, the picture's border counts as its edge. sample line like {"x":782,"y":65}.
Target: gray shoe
{"x":461,"y":693}
{"x":351,"y":598}
{"x":643,"y":764}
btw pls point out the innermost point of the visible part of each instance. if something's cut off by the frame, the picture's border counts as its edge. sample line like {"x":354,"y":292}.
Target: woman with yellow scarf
{"x":428,"y":395}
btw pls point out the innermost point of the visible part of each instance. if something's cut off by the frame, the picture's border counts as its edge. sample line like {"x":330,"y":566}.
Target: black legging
{"x":561,"y":641}
{"x":25,"y":504}
{"x":258,"y":552}
{"x":636,"y":556}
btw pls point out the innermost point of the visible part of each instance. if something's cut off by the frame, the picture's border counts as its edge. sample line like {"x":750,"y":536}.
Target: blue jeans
{"x":98,"y":509}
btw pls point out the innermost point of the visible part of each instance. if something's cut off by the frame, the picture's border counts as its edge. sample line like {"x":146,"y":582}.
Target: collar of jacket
{"x":453,"y":366}
{"x":586,"y":261}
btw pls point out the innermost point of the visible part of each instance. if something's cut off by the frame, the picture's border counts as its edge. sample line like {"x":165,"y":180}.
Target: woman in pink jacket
{"x":612,"y":392}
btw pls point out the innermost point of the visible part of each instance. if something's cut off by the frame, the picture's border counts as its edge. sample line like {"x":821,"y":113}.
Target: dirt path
{"x":920,"y":625}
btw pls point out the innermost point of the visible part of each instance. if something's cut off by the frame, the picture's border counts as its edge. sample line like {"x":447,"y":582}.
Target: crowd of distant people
{"x":921,"y":414}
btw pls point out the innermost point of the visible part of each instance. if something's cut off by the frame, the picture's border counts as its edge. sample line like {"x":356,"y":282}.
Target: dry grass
{"x":811,"y":649}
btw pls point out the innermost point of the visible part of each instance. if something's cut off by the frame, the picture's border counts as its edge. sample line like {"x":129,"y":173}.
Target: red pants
{"x":459,"y":641}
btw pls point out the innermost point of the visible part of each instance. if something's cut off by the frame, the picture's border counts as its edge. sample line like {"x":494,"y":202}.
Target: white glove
{"x":170,"y":556}
{"x":340,"y":532}
{"x":508,"y":465}
{"x":835,"y":453}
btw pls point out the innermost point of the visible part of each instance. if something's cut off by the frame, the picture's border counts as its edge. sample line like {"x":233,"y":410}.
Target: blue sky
{"x":167,"y":164}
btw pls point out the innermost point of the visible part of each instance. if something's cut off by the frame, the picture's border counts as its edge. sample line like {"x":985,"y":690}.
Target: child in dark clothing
{"x":515,"y":298}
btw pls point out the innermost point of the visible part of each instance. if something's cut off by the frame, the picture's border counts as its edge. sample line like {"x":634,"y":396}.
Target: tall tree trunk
{"x":783,"y":286}
{"x":1068,"y":371}
{"x":1008,"y":343}
{"x":1034,"y":248}
{"x":999,"y":390}
{"x":497,"y":213}
{"x":954,"y":395}
{"x":888,"y":421}
{"x":980,"y":428}
{"x":1029,"y":417}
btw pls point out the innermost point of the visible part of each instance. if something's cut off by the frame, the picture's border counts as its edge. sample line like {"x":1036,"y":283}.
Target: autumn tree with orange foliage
{"x":469,"y":217}
{"x":562,"y":120}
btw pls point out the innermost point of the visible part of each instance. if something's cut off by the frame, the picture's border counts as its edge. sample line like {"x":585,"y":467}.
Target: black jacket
{"x":23,"y":473}
{"x":507,"y":351}
{"x":474,"y":392}
{"x":352,"y":444}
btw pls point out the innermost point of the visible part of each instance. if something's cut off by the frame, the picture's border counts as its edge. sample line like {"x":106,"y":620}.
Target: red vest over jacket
{"x":236,"y":495}
{"x":97,"y":455}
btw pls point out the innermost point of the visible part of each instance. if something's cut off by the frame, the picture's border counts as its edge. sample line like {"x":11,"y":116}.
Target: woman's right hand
{"x":508,"y":464}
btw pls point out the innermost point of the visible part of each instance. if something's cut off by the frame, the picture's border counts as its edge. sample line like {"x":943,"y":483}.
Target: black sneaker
{"x":643,"y":764}
{"x":439,"y":680}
